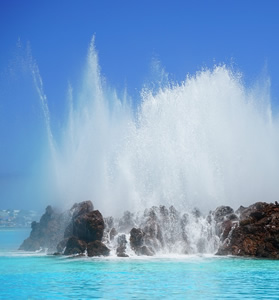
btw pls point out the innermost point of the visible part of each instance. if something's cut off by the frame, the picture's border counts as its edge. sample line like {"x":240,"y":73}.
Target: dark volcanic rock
{"x":144,"y":250}
{"x":221,"y":213}
{"x":136,"y":242}
{"x":153,"y":235}
{"x":256,"y":235}
{"x":31,"y":245}
{"x":97,"y":248}
{"x":121,"y":249}
{"x":112,"y":234}
{"x":62,"y":245}
{"x":72,"y":232}
{"x":136,"y":238}
{"x":224,"y":218}
{"x":77,"y":210}
{"x":89,"y":227}
{"x":47,"y":233}
{"x":81,"y":208}
{"x":75,"y":246}
{"x":85,"y":231}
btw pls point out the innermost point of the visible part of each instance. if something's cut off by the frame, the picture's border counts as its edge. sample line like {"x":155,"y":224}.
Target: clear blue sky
{"x":184,"y":35}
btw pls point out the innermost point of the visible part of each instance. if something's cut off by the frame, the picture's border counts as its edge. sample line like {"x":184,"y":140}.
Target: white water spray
{"x":203,"y":142}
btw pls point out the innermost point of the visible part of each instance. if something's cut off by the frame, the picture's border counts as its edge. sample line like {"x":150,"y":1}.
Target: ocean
{"x":27,"y":275}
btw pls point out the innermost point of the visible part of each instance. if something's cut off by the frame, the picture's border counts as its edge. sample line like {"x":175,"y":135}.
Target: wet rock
{"x":224,"y":218}
{"x":183,"y":223}
{"x":97,"y":248}
{"x":196,"y":212}
{"x":240,"y":210}
{"x":62,"y":245}
{"x":77,"y":210}
{"x":152,"y":226}
{"x":253,"y":210}
{"x":136,"y":238}
{"x":163,"y":211}
{"x":73,"y":232}
{"x":31,"y":245}
{"x":121,"y":253}
{"x":75,"y":246}
{"x":221,"y":213}
{"x":81,"y":208}
{"x":87,"y":230}
{"x":46,"y":233}
{"x":226,"y":228}
{"x":137,"y":242}
{"x":89,"y":227}
{"x":112,"y":234}
{"x":153,"y":235}
{"x":121,"y":249}
{"x":145,"y":250}
{"x":256,"y":235}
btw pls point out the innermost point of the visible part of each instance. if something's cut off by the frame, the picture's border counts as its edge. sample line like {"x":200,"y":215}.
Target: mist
{"x":209,"y":140}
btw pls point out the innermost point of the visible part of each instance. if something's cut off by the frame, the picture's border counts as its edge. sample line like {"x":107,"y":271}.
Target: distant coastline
{"x":17,"y":218}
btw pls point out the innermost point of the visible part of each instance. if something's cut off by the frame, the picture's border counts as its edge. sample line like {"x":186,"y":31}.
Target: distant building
{"x":17,"y":218}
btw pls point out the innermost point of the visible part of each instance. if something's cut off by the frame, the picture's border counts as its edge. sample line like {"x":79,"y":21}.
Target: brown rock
{"x":121,"y":249}
{"x":112,"y":234}
{"x":144,"y":250}
{"x":256,"y":235}
{"x":78,"y":209}
{"x":75,"y":246}
{"x":97,"y":248}
{"x":46,"y":233}
{"x":136,"y":238}
{"x":89,"y":227}
{"x":61,"y":245}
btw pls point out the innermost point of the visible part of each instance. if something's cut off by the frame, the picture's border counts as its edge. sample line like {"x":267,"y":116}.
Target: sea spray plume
{"x":51,"y":182}
{"x":40,"y":90}
{"x":95,"y":130}
{"x":28,"y":141}
{"x":203,"y":142}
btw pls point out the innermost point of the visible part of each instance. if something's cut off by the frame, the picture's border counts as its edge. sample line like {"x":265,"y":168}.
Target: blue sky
{"x":184,"y":36}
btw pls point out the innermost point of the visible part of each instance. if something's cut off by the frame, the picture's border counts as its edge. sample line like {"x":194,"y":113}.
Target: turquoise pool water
{"x":39,"y":276}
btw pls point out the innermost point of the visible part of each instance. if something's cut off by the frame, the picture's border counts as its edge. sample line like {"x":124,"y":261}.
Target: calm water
{"x":38,"y":276}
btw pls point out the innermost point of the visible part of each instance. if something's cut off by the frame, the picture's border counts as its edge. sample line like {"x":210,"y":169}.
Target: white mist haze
{"x":203,"y":142}
{"x":207,"y":141}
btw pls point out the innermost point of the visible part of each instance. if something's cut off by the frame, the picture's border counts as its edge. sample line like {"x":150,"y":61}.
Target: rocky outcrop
{"x":73,"y":232}
{"x":224,"y":219}
{"x":84,"y":232}
{"x":46,"y":233}
{"x":77,"y":210}
{"x":136,"y":238}
{"x":89,"y":227}
{"x":137,"y":243}
{"x":122,"y":244}
{"x":256,"y":234}
{"x":75,"y":246}
{"x":97,"y":248}
{"x":160,"y":229}
{"x":249,"y":231}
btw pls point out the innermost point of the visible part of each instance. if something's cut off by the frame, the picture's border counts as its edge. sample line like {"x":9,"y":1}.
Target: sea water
{"x":27,"y":275}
